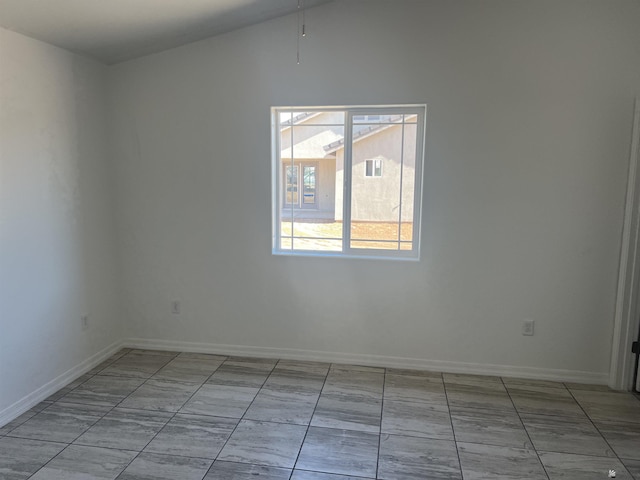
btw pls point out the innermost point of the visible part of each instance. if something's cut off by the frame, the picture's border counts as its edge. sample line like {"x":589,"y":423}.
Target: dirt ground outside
{"x":327,"y":236}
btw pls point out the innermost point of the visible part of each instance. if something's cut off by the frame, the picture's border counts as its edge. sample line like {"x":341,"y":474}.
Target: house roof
{"x":328,"y":142}
{"x":312,"y":147}
{"x":363,"y":133}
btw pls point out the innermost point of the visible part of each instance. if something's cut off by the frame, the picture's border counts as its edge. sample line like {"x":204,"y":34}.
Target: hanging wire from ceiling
{"x":302,"y":27}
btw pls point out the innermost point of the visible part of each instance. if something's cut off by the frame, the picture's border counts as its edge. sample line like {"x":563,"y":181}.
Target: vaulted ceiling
{"x":113,"y":31}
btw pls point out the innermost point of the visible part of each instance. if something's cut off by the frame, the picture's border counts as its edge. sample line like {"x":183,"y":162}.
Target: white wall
{"x":57,"y":248}
{"x":529,"y":117}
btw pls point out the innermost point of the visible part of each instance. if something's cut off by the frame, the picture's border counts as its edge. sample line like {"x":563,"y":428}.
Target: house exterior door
{"x":309,"y":197}
{"x":291,"y":181}
{"x":301,"y":177}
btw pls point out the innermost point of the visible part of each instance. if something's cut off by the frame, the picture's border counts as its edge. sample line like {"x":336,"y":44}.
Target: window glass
{"x":348,"y":182}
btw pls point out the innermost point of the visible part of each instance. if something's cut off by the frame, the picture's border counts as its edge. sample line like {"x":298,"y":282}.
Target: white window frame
{"x":420,"y":110}
{"x":373,"y":167}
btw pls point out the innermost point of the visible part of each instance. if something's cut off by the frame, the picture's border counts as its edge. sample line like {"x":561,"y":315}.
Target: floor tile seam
{"x":545,"y":398}
{"x":70,"y":390}
{"x":76,"y":438}
{"x":560,"y":386}
{"x":248,"y":367}
{"x":347,"y":429}
{"x":105,"y":367}
{"x":180,"y":412}
{"x":475,"y":390}
{"x":352,"y":395}
{"x":239,"y":421}
{"x":587,"y":404}
{"x":392,"y":399}
{"x":188,"y":384}
{"x":118,"y":405}
{"x":159,"y":454}
{"x":288,"y":390}
{"x":163,"y":411}
{"x":86,"y":404}
{"x":345,"y":397}
{"x":614,"y":457}
{"x":584,"y":417}
{"x":325,"y":473}
{"x":352,"y":379}
{"x":384,"y":383}
{"x":21,"y":423}
{"x":127,"y":450}
{"x":415,"y":382}
{"x":526,"y":411}
{"x":292,"y":376}
{"x":306,"y":433}
{"x":37,"y":440}
{"x":492,"y":444}
{"x":418,"y":375}
{"x":225,"y":361}
{"x":254,"y":464}
{"x":601,"y":435}
{"x":171,"y":380}
{"x":493,"y":387}
{"x":118,"y":375}
{"x":170,"y":359}
{"x":50,"y":460}
{"x":453,"y":431}
{"x":596,"y":456}
{"x":336,"y":367}
{"x":499,"y":389}
{"x":160,"y":430}
{"x":417,"y":437}
{"x":154,"y":352}
{"x":601,"y":419}
{"x":270,"y":421}
{"x":471,"y":412}
{"x":544,"y":468}
{"x":243,"y":463}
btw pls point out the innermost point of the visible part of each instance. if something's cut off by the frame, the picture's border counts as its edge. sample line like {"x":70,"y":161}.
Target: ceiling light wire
{"x":302,"y":28}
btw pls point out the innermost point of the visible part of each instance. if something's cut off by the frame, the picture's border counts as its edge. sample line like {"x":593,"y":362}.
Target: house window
{"x":323,"y":202}
{"x":373,"y":167}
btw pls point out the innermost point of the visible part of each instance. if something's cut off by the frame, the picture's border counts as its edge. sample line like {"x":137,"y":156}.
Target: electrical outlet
{"x":175,"y":307}
{"x":528,"y":327}
{"x":85,"y":321}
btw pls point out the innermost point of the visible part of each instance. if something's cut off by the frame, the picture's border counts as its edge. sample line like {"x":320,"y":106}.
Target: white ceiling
{"x":113,"y":31}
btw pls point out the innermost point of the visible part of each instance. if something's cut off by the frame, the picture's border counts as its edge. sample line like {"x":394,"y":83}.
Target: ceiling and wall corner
{"x":118,"y":30}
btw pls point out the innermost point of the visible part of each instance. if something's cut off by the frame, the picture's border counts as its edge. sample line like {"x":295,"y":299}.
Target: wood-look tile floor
{"x":144,"y":415}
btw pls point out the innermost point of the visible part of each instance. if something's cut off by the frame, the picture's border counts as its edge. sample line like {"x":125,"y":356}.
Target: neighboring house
{"x":312,"y":155}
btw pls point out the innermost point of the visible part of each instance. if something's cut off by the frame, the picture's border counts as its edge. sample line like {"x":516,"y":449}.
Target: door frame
{"x":315,"y":205}
{"x":626,"y":319}
{"x":285,"y":178}
{"x":300,"y":165}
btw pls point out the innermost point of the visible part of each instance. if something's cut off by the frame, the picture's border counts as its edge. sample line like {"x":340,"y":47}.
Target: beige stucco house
{"x":383,"y":167}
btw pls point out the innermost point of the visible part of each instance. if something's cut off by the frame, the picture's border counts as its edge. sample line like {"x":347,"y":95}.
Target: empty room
{"x":319,"y":239}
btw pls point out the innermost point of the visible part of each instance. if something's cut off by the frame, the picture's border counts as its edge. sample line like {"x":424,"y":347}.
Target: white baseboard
{"x":18,"y":408}
{"x":559,"y":375}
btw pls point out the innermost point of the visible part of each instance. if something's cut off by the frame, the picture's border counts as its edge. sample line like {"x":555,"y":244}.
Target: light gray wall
{"x":57,"y":248}
{"x":528,"y":133}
